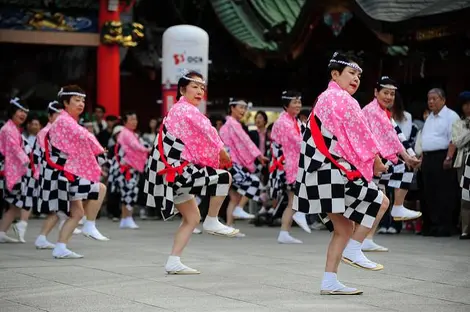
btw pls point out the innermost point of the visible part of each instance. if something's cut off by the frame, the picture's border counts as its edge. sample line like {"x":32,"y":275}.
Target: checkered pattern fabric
{"x":277,"y":183}
{"x":2,"y":178}
{"x":55,"y":191}
{"x":24,"y":193}
{"x":128,"y":189}
{"x":398,"y":176}
{"x":246,"y":183}
{"x":323,"y":188}
{"x":195,"y":180}
{"x":465,"y":180}
{"x":408,"y":144}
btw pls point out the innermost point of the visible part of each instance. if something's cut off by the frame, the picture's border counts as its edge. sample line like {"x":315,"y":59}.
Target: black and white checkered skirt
{"x":277,"y":183}
{"x":128,"y":188}
{"x":398,"y":176}
{"x":322,"y":188}
{"x":56,"y":191}
{"x":465,"y":180}
{"x":246,"y":183}
{"x":192,"y":180}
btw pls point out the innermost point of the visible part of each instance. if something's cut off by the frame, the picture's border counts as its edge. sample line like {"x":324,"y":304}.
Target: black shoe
{"x":464,"y":236}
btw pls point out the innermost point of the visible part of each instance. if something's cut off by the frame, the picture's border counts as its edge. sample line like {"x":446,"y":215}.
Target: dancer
{"x":246,"y":184}
{"x":129,"y":159}
{"x":70,"y":171}
{"x":286,"y":139}
{"x":339,"y":156}
{"x":17,"y":171}
{"x":183,"y":163}
{"x":52,"y":218}
{"x":393,"y":141}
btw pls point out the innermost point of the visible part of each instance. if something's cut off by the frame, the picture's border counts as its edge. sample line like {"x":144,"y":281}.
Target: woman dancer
{"x":129,"y":160}
{"x":70,"y":171}
{"x":338,"y":158}
{"x":17,"y":171}
{"x":246,"y":184}
{"x":183,"y":163}
{"x":52,"y":217}
{"x":286,"y":139}
{"x":393,"y":142}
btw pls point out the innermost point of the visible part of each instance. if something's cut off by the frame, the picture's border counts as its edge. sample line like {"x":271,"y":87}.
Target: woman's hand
{"x":224,"y":159}
{"x":263,"y":160}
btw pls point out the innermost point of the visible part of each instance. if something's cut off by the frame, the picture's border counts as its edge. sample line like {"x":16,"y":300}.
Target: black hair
{"x":126,"y":115}
{"x":183,"y":82}
{"x":305,"y":112}
{"x":398,"y":108}
{"x":291,"y":94}
{"x":342,"y":57}
{"x":464,"y":98}
{"x":234,"y":101}
{"x":111,"y":118}
{"x":51,"y":111}
{"x":215,"y":118}
{"x":385,"y":80}
{"x":67,"y":97}
{"x":262,"y":113}
{"x":12,"y":109}
{"x":98,"y":106}
{"x":32,"y":117}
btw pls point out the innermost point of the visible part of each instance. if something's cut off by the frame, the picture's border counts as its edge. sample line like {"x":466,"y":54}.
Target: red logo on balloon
{"x":178,"y":58}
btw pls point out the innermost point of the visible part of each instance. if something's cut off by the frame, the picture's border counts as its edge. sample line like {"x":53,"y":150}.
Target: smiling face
{"x":75,"y":106}
{"x":238,"y":111}
{"x":294,"y":107}
{"x":385,"y":97}
{"x":349,"y":79}
{"x":131,"y":122}
{"x":19,"y":117}
{"x":194,"y":91}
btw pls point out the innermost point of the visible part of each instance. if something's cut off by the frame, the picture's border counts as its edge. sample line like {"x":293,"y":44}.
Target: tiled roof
{"x":401,"y":10}
{"x":248,"y":20}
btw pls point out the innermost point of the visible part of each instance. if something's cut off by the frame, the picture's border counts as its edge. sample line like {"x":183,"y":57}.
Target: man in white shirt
{"x":439,"y":178}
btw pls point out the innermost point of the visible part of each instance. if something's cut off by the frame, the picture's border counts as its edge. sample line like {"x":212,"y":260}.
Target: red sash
{"x":70,"y":177}
{"x":126,"y":169}
{"x":321,"y":145}
{"x":278,"y":163}
{"x":170,"y":171}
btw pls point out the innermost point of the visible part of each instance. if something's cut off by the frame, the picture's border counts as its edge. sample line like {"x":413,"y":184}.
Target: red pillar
{"x":108,"y":65}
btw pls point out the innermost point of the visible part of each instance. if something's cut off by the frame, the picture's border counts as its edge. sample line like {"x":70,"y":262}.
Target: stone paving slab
{"x":250,"y":274}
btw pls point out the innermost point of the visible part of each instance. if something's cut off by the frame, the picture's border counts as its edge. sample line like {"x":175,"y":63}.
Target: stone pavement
{"x":250,"y":274}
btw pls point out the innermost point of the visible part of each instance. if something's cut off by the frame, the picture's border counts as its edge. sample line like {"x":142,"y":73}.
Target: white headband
{"x":184,"y":74}
{"x":284,"y":97}
{"x":61,"y":92}
{"x":239,"y":102}
{"x":352,"y":65}
{"x":16,"y":102}
{"x":52,"y":108}
{"x":388,"y":86}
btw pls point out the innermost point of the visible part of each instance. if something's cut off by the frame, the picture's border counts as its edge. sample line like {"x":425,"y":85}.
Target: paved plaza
{"x":250,"y":274}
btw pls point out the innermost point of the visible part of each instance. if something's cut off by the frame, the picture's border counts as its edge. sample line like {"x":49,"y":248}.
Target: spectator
{"x":98,"y":123}
{"x":104,"y":136}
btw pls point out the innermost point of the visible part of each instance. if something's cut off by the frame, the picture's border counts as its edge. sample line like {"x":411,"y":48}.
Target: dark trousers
{"x":439,"y":194}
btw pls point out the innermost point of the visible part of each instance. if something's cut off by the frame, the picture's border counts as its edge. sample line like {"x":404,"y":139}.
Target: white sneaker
{"x":392,"y":230}
{"x":7,"y":239}
{"x":65,"y":254}
{"x":197,"y":231}
{"x":301,"y":220}
{"x":43,"y":244}
{"x":400,"y":213}
{"x":95,"y":234}
{"x":287,"y":239}
{"x":239,"y":213}
{"x":128,"y":223}
{"x":77,"y":231}
{"x":370,"y":245}
{"x":82,"y":221}
{"x":382,"y":230}
{"x":357,"y":259}
{"x":20,"y":230}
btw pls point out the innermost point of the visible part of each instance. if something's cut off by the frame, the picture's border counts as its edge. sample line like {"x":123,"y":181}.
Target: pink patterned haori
{"x":286,"y":132}
{"x":242,"y":150}
{"x":381,"y":126}
{"x":202,"y":144}
{"x":341,"y":114}
{"x":80,"y":146}
{"x":135,"y":154}
{"x":16,"y":160}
